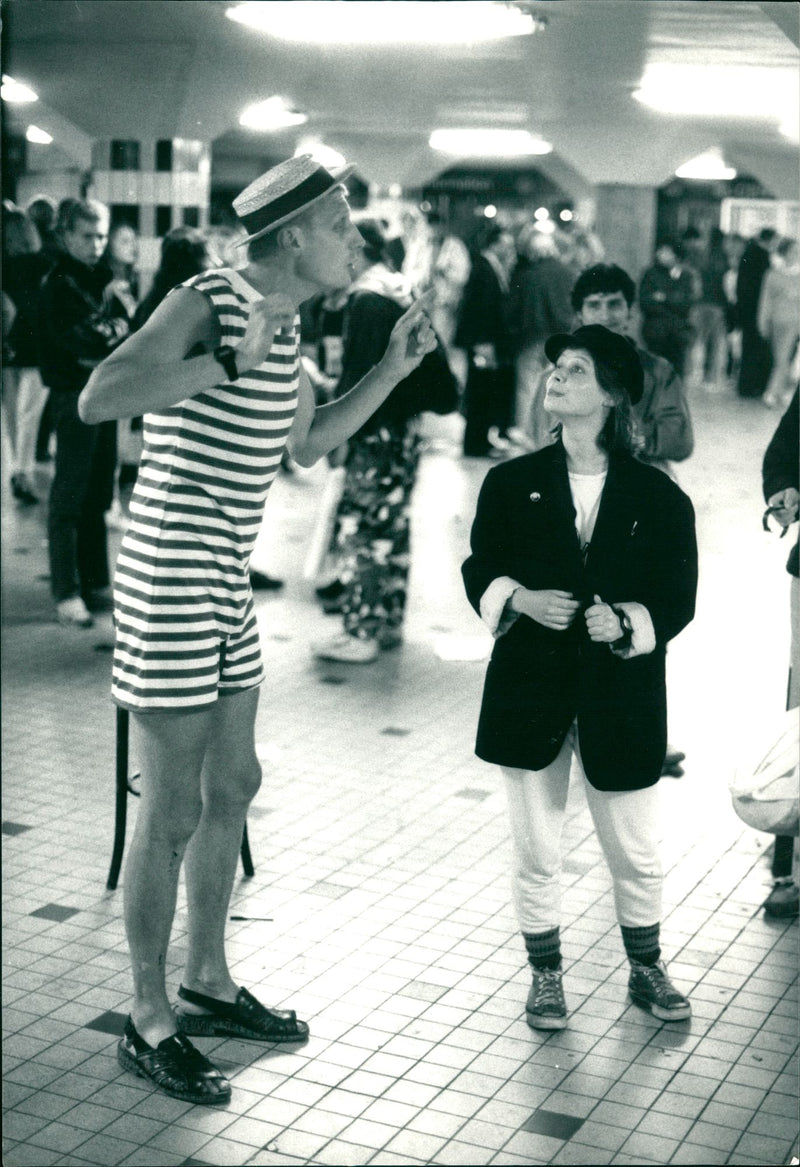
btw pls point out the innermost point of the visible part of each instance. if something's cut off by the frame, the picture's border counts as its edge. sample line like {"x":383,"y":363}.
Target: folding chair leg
{"x":123,"y":725}
{"x":247,"y":860}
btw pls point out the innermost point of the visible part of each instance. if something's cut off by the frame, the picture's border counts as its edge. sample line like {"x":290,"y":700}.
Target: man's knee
{"x":236,"y":786}
{"x":175,"y":820}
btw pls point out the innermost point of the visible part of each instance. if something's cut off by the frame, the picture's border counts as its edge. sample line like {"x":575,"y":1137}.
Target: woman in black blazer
{"x":584,"y":566}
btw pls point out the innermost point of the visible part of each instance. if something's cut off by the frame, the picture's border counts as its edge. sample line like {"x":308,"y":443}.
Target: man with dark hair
{"x":604,"y":294}
{"x":79,"y":326}
{"x":216,"y":373}
{"x":483,"y":332}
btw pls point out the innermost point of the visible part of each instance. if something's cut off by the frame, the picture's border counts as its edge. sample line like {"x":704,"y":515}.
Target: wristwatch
{"x":625,"y":639}
{"x":225,"y":354}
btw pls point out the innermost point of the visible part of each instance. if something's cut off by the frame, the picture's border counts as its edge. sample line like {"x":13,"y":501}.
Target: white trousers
{"x":24,"y":397}
{"x":626,"y":823}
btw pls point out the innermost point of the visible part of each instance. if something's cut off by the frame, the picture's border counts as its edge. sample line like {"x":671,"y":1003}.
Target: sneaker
{"x":350,"y":650}
{"x":21,"y":489}
{"x":546,"y":1007}
{"x":783,"y":901}
{"x":99,"y":600}
{"x":260,"y":581}
{"x":650,"y":987}
{"x":74,"y":612}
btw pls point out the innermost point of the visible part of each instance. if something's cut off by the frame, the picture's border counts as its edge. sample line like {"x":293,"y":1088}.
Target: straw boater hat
{"x":283,"y":192}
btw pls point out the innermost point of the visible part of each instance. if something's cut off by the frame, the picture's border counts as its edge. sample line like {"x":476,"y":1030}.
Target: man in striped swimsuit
{"x":216,"y":372}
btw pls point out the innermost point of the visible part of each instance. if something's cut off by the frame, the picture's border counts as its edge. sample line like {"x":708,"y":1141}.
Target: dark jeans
{"x":756,"y":363}
{"x":86,"y":457}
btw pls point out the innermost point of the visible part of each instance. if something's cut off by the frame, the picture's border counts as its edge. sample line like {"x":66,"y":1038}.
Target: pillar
{"x":625,"y":220}
{"x":154,"y":185}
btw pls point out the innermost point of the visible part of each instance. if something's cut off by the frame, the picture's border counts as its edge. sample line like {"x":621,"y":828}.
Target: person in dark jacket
{"x":781,"y":481}
{"x":373,"y":518}
{"x":483,"y":331}
{"x":754,"y":366}
{"x":78,"y":328}
{"x":584,"y":565}
{"x":25,"y":265}
{"x":666,"y":294}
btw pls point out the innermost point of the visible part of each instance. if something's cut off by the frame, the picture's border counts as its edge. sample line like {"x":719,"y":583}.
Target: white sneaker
{"x":349,"y":649}
{"x":74,"y":611}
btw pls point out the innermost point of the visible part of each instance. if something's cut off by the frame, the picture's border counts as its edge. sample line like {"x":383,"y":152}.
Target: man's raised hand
{"x":267,"y":317}
{"x":412,"y":337}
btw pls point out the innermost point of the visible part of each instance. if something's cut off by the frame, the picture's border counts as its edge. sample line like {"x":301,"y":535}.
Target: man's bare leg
{"x":171,"y":748}
{"x":230,"y":780}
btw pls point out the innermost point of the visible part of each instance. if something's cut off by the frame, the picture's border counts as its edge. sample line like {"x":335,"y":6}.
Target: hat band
{"x":294,"y":200}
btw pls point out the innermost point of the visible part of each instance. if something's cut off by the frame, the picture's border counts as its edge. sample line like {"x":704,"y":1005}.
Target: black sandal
{"x":175,"y":1067}
{"x":246,"y":1018}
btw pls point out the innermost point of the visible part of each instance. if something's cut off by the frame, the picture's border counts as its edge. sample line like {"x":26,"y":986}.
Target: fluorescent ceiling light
{"x":720,"y":90}
{"x":272,"y":114}
{"x":41,"y":137}
{"x":324,"y":155}
{"x":390,"y":22}
{"x":15,"y":91}
{"x":488,"y":143}
{"x":709,"y":166}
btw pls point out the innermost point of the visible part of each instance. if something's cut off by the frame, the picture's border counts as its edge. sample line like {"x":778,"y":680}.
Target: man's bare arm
{"x":150,"y":372}
{"x":318,"y":431}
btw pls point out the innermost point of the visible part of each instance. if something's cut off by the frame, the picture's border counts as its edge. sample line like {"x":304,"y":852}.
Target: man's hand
{"x":267,"y":317}
{"x":549,"y":607}
{"x":412,"y":337}
{"x":785,"y":503}
{"x":602,"y":623}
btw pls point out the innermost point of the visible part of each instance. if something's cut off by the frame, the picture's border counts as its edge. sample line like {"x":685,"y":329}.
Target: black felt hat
{"x":616,"y":353}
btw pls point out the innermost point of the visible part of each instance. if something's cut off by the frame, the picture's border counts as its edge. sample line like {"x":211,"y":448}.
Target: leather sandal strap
{"x":246,"y":1008}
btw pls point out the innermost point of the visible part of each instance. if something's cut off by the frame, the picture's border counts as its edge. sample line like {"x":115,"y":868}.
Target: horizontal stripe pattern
{"x":185,"y":625}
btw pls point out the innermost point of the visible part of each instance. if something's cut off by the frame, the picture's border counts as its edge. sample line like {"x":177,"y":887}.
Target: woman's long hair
{"x":620,"y":430}
{"x":184,"y":253}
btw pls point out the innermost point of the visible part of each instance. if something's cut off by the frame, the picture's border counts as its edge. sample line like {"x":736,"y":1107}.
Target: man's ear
{"x":290,"y":237}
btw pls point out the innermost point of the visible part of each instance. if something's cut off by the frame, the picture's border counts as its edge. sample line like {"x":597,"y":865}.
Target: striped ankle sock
{"x":641,"y":944}
{"x":544,"y":948}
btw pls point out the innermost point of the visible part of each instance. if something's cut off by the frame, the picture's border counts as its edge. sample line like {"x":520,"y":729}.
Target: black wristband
{"x":623,"y":641}
{"x":225,"y":355}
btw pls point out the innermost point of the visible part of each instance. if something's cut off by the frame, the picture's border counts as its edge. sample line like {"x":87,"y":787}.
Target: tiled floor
{"x":380,"y":905}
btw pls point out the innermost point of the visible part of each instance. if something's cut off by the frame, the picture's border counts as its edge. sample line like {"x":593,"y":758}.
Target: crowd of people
{"x":303,"y":333}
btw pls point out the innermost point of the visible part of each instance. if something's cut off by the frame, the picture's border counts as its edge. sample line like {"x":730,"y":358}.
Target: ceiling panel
{"x":162,"y":68}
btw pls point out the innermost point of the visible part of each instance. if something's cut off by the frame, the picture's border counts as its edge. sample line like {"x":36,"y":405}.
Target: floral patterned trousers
{"x":372,"y":534}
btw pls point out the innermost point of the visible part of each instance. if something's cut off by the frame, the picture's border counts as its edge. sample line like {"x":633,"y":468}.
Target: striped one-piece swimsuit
{"x":183,"y":606}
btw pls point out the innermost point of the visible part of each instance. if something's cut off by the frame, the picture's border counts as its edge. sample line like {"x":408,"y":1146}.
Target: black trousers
{"x":83,"y":486}
{"x":488,"y":401}
{"x":756,"y":363}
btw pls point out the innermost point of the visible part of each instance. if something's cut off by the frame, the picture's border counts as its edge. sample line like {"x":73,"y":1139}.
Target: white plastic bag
{"x":766,"y":794}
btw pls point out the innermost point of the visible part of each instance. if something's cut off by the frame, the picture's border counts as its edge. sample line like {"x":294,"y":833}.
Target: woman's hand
{"x":412,"y":337}
{"x":602,"y":623}
{"x":784,"y":506}
{"x":549,"y":607}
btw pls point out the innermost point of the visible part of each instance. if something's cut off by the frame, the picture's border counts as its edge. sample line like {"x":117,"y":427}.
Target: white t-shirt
{"x":586,"y":491}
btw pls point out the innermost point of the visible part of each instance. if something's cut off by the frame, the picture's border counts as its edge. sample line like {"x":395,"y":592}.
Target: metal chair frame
{"x":121,"y":808}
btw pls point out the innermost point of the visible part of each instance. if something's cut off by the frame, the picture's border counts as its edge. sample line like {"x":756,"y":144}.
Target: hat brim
{"x":340,"y":178}
{"x":555,"y":345}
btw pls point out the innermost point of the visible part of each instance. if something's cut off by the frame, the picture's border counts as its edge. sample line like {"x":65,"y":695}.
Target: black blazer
{"x":538,"y":680}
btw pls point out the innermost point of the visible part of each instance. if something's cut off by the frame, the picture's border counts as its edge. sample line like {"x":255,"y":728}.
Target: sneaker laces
{"x":549,"y":992}
{"x":663,"y":989}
